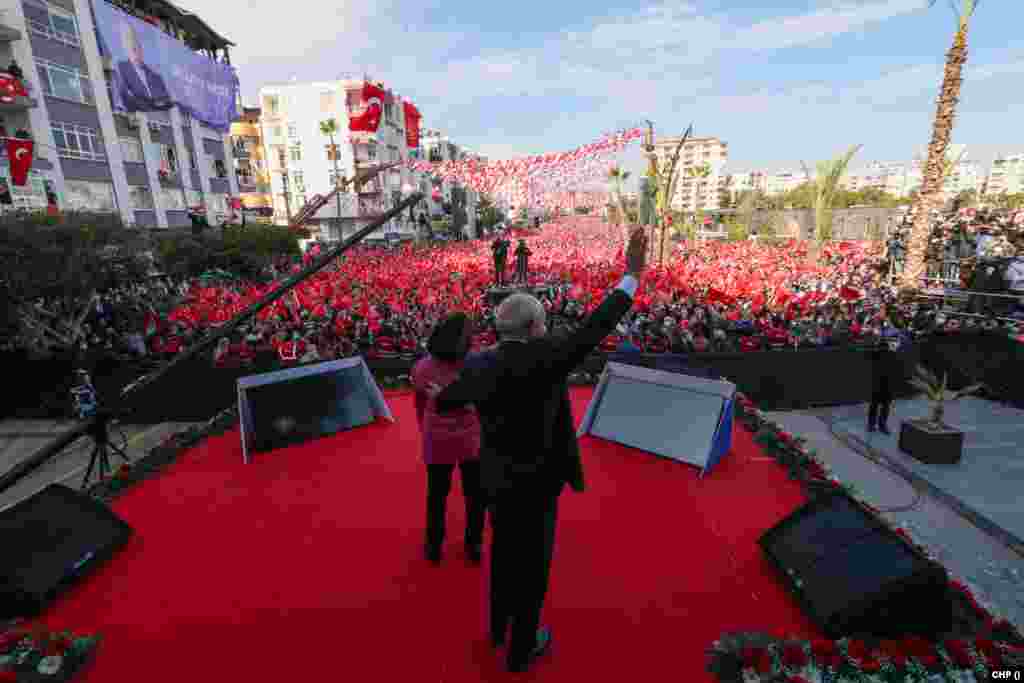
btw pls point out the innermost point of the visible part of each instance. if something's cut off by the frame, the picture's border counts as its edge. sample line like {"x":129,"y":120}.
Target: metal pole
{"x":53,"y":448}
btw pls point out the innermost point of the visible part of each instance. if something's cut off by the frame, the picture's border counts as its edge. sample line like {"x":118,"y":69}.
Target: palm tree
{"x":825,"y":186}
{"x":329,"y":127}
{"x":942,"y":129}
{"x":937,"y":391}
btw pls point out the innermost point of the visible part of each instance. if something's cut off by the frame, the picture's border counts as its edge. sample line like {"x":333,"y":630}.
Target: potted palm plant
{"x":931,"y":440}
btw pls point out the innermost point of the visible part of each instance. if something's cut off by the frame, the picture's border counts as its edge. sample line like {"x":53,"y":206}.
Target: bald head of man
{"x":521,"y":316}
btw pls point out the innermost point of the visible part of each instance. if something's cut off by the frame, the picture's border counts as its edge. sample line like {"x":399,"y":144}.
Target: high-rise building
{"x":150,"y":167}
{"x":250,"y":160}
{"x":1006,"y":175}
{"x":701,"y":185}
{"x":438,"y":148}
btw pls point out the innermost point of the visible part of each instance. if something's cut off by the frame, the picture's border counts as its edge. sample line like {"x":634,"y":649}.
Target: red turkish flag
{"x":369,"y":121}
{"x":849,"y":294}
{"x":412,"y":125}
{"x":19,"y":153}
{"x":11,"y":87}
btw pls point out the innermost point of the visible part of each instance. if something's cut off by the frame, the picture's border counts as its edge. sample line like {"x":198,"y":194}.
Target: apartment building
{"x":702,"y":185}
{"x":753,"y":181}
{"x":91,"y":153}
{"x":780,"y":183}
{"x":1006,"y":175}
{"x":251,"y":169}
{"x":439,"y":148}
{"x":302,"y":162}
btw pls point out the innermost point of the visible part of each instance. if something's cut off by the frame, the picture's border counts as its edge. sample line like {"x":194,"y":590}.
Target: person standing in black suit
{"x":528,"y":449}
{"x":500,"y":249}
{"x":522,"y":259}
{"x":141,"y":88}
{"x":884,"y":375}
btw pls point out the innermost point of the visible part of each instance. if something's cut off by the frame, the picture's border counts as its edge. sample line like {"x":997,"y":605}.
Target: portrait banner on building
{"x":412,"y":125}
{"x":153,"y":71}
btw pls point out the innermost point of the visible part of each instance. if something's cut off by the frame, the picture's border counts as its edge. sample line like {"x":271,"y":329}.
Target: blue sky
{"x":780,"y":81}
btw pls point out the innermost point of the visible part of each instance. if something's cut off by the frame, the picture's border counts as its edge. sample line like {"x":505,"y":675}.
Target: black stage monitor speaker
{"x":854,"y":575}
{"x":49,"y":541}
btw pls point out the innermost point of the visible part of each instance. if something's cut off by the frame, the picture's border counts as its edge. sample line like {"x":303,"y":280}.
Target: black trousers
{"x":439,"y":485}
{"x":878,"y":411}
{"x":521,"y":551}
{"x":499,"y":272}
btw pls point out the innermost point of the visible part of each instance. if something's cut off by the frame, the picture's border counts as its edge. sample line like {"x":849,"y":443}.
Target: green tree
{"x":824,"y":186}
{"x":329,"y":128}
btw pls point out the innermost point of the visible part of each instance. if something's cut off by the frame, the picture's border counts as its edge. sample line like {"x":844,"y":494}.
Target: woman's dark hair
{"x":448,"y":340}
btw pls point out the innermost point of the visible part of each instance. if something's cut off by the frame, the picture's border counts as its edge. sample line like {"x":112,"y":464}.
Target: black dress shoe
{"x":543,"y":646}
{"x":433,"y":554}
{"x":871,"y":428}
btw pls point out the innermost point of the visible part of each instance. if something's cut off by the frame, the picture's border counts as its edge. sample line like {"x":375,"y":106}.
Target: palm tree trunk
{"x":334,"y":151}
{"x":930,"y":196}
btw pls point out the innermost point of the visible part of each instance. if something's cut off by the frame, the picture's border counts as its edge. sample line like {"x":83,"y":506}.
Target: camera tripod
{"x":100,"y":458}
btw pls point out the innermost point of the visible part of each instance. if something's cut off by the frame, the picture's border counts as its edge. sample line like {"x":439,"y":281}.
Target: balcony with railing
{"x":184,"y":27}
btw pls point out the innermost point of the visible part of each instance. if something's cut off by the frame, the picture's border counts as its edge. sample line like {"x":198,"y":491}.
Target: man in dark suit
{"x":885,"y":374}
{"x":528,"y":451}
{"x":141,"y":88}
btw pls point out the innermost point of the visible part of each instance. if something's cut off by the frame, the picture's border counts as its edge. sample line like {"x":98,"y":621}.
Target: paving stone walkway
{"x":992,"y":568}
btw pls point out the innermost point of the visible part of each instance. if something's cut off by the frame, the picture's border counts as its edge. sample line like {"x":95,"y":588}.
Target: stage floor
{"x":307,"y":565}
{"x":988,"y":481}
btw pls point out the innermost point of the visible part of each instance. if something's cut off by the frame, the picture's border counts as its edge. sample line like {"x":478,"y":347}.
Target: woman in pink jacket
{"x":449,"y":439}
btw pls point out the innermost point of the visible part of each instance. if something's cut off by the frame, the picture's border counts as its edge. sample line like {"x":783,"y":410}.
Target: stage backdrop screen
{"x":153,"y":71}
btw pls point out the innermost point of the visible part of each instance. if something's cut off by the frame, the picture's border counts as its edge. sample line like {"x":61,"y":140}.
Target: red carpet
{"x":306,"y":565}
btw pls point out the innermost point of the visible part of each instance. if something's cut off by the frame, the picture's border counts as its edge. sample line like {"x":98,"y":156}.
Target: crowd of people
{"x":712,"y":297}
{"x":709,"y":297}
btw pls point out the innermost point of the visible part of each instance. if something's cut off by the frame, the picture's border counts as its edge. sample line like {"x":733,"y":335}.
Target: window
{"x":296,"y":153}
{"x":168,"y":158}
{"x":78,"y":142}
{"x":131,"y":150}
{"x":171,"y":199}
{"x":293,"y":131}
{"x":141,"y":198}
{"x":64,"y":82}
{"x":389,"y":112}
{"x":193,"y":163}
{"x":60,"y":25}
{"x":371,"y":152}
{"x":219,"y":170}
{"x":298,"y":182}
{"x":83,"y":195}
{"x":333,"y":152}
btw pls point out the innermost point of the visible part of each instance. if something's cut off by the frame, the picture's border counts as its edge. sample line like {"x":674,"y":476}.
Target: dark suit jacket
{"x":134,"y":93}
{"x":886,"y":372}
{"x":522,"y":397}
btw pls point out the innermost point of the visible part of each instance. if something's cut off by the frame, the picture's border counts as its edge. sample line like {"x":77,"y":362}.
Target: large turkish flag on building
{"x":412,"y":125}
{"x":369,"y":121}
{"x":19,"y":153}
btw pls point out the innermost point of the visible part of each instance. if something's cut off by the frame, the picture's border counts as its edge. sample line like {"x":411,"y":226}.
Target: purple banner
{"x":153,"y":71}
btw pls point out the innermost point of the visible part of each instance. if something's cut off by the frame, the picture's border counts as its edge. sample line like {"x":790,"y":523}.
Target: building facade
{"x":438,"y":148}
{"x":251,"y":169}
{"x":702,"y":184}
{"x":147,"y":167}
{"x":303,"y":162}
{"x":1006,"y":175}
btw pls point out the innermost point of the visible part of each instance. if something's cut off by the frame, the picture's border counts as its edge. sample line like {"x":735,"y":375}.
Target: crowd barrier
{"x":775,"y":380}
